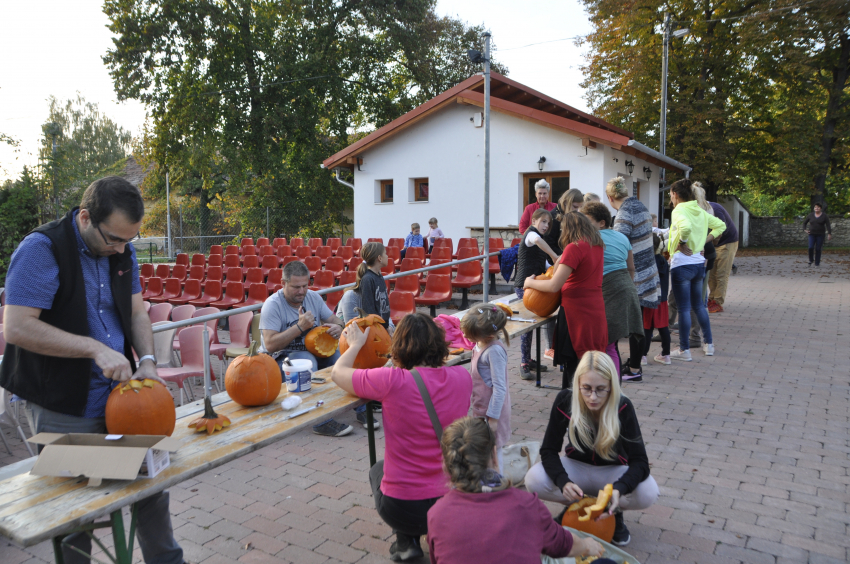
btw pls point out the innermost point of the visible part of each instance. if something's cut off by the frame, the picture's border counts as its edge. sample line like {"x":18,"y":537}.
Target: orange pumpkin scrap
{"x":376,"y":351}
{"x":211,"y":421}
{"x":508,"y":311}
{"x":140,"y":407}
{"x":320,"y":343}
{"x":540,"y":303}
{"x":253,"y":379}
{"x":582,"y":515}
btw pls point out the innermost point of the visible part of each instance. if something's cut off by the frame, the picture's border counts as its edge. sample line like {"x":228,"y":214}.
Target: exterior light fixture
{"x":630,"y":166}
{"x":648,"y":172}
{"x":540,"y":163}
{"x":681,"y":32}
{"x":475,"y":57}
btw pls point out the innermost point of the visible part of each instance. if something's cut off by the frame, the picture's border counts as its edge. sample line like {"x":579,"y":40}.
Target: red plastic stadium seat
{"x":322,"y":280}
{"x":355,"y":243}
{"x":257,"y":294}
{"x":313,"y":264}
{"x":345,"y":253}
{"x":154,"y":288}
{"x":347,"y":277}
{"x":324,"y":253}
{"x":231,"y":261}
{"x":396,"y":242}
{"x":146,"y":270}
{"x":496,"y":244}
{"x":287,"y":260}
{"x":215,"y":260}
{"x":246,"y":241}
{"x":408,"y":284}
{"x":516,"y":241}
{"x":296,"y":242}
{"x":254,"y":276}
{"x":266,"y":250}
{"x":250,"y":261}
{"x":279,"y":242}
{"x":231,"y":250}
{"x":401,"y":304}
{"x":275,"y":279}
{"x":468,"y":274}
{"x":179,"y":272}
{"x":269,"y":262}
{"x":332,"y":299}
{"x":441,"y":253}
{"x":234,"y":295}
{"x":335,"y":265}
{"x":214,"y":273}
{"x":191,"y":291}
{"x":216,"y":250}
{"x":233,"y":274}
{"x":303,"y":252}
{"x":334,"y":243}
{"x":170,"y":291}
{"x":262,"y":241}
{"x":415,"y":252}
{"x":375,"y":240}
{"x":282,"y":252}
{"x":212,"y":292}
{"x":163,"y":271}
{"x":354,"y":263}
{"x":182,"y":258}
{"x":438,"y":289}
{"x":442,"y":271}
{"x":315,"y":243}
{"x":198,"y":260}
{"x":394,"y":256}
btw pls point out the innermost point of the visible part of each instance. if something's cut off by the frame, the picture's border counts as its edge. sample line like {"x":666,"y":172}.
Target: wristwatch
{"x":147,"y":357}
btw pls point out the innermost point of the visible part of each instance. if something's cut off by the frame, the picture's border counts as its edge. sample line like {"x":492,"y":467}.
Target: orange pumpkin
{"x":253,"y":379}
{"x":140,"y":407}
{"x":376,"y":351}
{"x":582,"y":515}
{"x":320,"y":343}
{"x":540,"y":303}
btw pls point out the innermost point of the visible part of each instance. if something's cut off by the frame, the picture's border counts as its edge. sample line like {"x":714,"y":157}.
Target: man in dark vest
{"x":74,"y":313}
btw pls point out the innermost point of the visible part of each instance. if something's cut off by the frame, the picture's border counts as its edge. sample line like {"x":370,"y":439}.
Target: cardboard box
{"x":99,"y":457}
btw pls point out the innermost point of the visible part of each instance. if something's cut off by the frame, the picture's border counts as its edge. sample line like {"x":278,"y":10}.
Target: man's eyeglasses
{"x":587,"y":392}
{"x":119,"y":241}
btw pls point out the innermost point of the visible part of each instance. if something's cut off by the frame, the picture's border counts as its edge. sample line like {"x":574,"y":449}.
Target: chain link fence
{"x":195,"y":228}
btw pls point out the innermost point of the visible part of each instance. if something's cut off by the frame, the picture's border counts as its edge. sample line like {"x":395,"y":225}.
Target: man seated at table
{"x":74,"y":314}
{"x":286,"y":318}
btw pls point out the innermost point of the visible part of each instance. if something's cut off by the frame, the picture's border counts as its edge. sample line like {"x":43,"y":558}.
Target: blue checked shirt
{"x":33,"y":280}
{"x":413,"y":240}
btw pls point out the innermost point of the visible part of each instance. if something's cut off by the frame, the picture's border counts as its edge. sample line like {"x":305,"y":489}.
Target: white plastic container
{"x":298,"y":375}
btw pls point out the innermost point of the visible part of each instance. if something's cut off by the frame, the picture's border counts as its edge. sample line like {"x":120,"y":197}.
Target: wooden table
{"x":37,"y":508}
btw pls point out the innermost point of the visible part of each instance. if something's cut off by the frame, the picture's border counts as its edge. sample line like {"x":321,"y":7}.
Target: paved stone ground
{"x":750,"y":449}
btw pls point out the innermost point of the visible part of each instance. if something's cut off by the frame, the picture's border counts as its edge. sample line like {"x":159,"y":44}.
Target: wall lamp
{"x":540,"y":163}
{"x":630,"y":166}
{"x":648,"y":172}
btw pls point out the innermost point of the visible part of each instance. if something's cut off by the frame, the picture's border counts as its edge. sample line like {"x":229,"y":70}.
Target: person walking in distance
{"x":816,"y":226}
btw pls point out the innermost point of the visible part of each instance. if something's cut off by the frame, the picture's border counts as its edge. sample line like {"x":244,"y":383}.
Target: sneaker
{"x":550,"y":354}
{"x":525,"y":373}
{"x":361,"y":418}
{"x":622,"y":537}
{"x":708,"y":349}
{"x":643,"y":361}
{"x":714,"y":307}
{"x":629,"y":376}
{"x":532,"y":365}
{"x":662,"y":359}
{"x":331,"y":428}
{"x":679,"y":354}
{"x":405,"y":548}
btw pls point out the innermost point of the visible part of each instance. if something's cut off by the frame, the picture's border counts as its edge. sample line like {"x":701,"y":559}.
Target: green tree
{"x":251,"y":96}
{"x":18,"y":216}
{"x":87,"y":141}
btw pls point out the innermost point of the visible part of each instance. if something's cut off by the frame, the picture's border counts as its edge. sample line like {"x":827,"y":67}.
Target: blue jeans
{"x":154,"y":532}
{"x":687,"y":288}
{"x":815,"y":244}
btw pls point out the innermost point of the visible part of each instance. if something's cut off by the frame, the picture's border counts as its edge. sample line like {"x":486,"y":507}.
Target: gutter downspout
{"x":340,"y":180}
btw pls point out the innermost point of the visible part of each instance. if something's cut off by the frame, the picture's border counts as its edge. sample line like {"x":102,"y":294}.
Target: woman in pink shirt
{"x":482,"y":519}
{"x":410,"y":479}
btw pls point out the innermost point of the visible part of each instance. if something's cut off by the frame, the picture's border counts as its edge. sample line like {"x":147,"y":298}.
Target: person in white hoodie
{"x":689,"y":225}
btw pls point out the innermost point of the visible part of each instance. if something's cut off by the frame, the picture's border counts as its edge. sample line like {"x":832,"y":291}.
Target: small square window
{"x":420,"y":189}
{"x":386,"y":191}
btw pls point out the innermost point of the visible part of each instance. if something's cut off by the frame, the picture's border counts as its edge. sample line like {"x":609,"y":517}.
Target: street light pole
{"x":168,"y":215}
{"x":486,"y":266}
{"x":663,"y":128}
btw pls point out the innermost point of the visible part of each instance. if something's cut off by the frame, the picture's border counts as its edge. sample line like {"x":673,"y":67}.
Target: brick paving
{"x":749,"y":448}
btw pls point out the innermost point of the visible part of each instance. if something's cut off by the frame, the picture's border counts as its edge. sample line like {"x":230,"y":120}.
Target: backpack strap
{"x":429,"y":405}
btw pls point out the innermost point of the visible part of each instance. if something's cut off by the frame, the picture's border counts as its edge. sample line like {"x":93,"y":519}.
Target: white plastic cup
{"x":298,"y":375}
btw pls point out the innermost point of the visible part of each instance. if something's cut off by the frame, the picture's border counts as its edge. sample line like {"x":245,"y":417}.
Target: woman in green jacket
{"x":689,"y":226}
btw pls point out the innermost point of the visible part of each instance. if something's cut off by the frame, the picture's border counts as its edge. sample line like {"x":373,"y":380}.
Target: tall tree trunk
{"x":839,"y":80}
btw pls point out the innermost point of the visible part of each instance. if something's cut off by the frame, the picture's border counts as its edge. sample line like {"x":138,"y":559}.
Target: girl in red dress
{"x":582,"y":325}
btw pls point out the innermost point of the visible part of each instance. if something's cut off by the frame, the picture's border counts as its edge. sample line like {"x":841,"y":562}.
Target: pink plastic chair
{"x":192,"y":357}
{"x":240,"y":334}
{"x":160,"y":312}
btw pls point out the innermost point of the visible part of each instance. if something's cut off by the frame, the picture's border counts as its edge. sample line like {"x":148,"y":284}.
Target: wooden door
{"x":558,"y":181}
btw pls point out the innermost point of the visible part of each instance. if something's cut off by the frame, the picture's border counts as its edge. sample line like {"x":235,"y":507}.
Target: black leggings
{"x":665,"y":340}
{"x":407,"y":517}
{"x":636,"y":350}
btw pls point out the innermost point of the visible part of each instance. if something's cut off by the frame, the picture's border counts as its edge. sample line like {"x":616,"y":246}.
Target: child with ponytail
{"x":369,"y":294}
{"x":490,"y":397}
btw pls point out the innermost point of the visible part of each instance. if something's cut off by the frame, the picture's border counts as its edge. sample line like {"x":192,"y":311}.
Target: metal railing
{"x":256,"y":307}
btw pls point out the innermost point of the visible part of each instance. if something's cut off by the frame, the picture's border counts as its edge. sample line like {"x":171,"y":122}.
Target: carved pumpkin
{"x":376,"y":352}
{"x":253,"y":379}
{"x":320,"y":343}
{"x":582,"y":515}
{"x":540,"y":303}
{"x":140,"y":407}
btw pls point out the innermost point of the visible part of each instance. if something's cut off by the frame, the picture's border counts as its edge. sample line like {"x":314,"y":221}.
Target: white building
{"x":430,"y":161}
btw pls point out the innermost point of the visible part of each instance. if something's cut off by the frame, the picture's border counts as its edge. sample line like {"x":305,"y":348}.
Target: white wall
{"x":448,"y":150}
{"x":734,"y":207}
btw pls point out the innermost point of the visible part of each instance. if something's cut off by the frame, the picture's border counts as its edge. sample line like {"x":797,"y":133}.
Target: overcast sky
{"x":55,"y":47}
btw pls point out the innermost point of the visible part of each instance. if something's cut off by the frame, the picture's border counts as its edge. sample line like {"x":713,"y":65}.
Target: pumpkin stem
{"x":252,"y":350}
{"x":209,"y":412}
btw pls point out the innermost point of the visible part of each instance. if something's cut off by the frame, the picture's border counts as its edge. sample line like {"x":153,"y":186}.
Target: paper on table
{"x":521,"y":319}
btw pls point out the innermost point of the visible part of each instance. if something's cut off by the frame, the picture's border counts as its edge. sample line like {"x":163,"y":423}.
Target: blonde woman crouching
{"x":604,"y":445}
{"x":472,"y":521}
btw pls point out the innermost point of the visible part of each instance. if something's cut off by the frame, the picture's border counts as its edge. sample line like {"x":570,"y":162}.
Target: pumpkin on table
{"x":540,"y":303}
{"x":582,"y":515}
{"x":140,"y":407}
{"x":253,"y":379}
{"x":376,"y":351}
{"x":211,"y":421}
